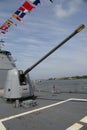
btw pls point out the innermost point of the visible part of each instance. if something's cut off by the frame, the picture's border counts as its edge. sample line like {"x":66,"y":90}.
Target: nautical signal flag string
{"x":21,"y":12}
{"x":6,"y":25}
{"x":26,"y":7}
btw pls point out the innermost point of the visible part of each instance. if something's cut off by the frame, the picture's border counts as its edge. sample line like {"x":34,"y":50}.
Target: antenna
{"x":1,"y":43}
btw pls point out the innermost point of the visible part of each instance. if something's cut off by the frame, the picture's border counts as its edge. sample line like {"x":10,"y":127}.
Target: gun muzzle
{"x":80,"y":28}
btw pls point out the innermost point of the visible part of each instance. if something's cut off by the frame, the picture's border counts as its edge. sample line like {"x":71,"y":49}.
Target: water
{"x":71,"y":86}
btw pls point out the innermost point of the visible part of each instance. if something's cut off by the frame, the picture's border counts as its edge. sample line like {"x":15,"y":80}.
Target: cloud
{"x":66,"y":9}
{"x":41,"y":31}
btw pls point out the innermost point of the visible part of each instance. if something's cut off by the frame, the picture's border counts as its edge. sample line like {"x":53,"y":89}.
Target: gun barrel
{"x":81,"y":27}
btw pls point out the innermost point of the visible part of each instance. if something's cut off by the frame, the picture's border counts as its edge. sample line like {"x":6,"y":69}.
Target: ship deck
{"x":63,"y":111}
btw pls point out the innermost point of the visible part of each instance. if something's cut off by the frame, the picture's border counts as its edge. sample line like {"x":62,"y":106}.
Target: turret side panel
{"x":6,"y":62}
{"x":3,"y":76}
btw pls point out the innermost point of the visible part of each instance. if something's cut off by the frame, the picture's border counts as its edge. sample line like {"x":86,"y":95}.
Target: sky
{"x":42,"y":29}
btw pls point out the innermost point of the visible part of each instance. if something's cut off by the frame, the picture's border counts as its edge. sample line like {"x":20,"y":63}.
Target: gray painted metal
{"x":58,"y":117}
{"x":55,"y":48}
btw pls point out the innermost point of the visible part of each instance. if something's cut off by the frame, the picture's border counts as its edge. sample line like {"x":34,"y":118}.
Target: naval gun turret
{"x":17,"y":82}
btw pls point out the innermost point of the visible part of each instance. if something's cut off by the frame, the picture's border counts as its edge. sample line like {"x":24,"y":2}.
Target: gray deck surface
{"x":57,"y":117}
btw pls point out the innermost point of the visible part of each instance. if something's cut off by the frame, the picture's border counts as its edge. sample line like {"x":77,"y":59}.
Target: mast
{"x":1,"y":43}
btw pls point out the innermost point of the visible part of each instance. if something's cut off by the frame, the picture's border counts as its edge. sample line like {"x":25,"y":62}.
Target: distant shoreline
{"x":70,"y":78}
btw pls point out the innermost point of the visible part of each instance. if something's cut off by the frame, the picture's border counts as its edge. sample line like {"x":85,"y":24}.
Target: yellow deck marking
{"x":79,"y":99}
{"x":2,"y":127}
{"x":75,"y":126}
{"x":35,"y":110}
{"x":84,"y":120}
